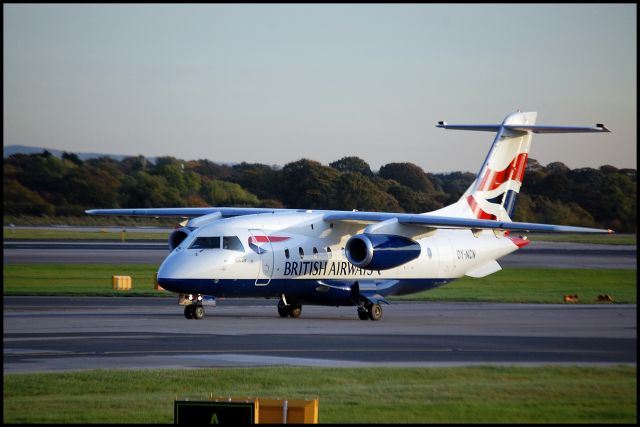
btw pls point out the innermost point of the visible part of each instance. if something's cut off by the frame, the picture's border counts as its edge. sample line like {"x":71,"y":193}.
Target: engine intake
{"x":177,"y":236}
{"x":380,"y":251}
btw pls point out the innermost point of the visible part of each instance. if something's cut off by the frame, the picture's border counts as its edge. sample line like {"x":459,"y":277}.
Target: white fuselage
{"x":301,"y":246}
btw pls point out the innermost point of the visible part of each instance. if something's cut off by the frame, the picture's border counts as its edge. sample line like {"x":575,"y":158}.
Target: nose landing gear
{"x":194,"y":311}
{"x":194,"y":308}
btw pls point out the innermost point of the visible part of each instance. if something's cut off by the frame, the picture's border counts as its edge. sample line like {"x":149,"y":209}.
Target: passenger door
{"x":265,"y":250}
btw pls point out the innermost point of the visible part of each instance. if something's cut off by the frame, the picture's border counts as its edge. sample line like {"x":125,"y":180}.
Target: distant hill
{"x":23,"y":149}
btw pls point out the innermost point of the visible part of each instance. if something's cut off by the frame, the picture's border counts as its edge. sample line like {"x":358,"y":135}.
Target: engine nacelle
{"x":380,"y":251}
{"x":177,"y":236}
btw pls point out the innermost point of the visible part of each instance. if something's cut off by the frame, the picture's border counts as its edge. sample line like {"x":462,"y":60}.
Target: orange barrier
{"x":284,"y":411}
{"x":121,"y":283}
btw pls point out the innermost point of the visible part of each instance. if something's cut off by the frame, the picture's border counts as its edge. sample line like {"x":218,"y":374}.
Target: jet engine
{"x":177,"y":236}
{"x":380,"y":251}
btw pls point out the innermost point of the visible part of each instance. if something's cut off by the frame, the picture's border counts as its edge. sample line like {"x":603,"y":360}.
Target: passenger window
{"x":315,"y":253}
{"x":232,"y":243}
{"x":301,"y":252}
{"x":286,"y":253}
{"x":206,"y":243}
{"x":328,"y":252}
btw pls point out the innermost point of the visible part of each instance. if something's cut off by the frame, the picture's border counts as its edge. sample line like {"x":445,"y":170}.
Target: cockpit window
{"x":206,"y":243}
{"x":232,"y":243}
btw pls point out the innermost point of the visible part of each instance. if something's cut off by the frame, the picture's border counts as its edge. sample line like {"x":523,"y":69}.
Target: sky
{"x":275,"y":83}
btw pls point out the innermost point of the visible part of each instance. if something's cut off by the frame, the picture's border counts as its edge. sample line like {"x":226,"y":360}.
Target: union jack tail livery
{"x":492,"y":195}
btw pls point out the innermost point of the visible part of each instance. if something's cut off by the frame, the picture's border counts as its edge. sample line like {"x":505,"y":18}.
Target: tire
{"x":283,"y":310}
{"x":363,"y":314}
{"x":375,"y":312}
{"x":295,"y":310}
{"x":188,"y":311}
{"x":198,"y":312}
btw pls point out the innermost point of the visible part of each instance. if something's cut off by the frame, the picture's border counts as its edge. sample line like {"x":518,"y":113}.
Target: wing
{"x":378,"y":220}
{"x":435,"y":222}
{"x":186,"y":212}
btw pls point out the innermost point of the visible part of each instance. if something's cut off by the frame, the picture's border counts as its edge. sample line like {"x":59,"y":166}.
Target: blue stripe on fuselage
{"x":303,"y":291}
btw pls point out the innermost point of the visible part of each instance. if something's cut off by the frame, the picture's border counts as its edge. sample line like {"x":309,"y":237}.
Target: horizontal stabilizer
{"x":526,"y":128}
{"x":558,"y":129}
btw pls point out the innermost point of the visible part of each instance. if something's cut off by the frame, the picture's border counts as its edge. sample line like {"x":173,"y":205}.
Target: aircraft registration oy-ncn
{"x":352,"y":258}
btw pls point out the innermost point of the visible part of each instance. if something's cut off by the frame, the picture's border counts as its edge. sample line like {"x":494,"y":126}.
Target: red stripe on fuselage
{"x":272,"y":239}
{"x":515,"y":171}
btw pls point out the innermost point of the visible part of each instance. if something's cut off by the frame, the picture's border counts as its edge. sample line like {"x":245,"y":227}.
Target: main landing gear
{"x":369,"y":311}
{"x":366,"y":310}
{"x":288,"y":310}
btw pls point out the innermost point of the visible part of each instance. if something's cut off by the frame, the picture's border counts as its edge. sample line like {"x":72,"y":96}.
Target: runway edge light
{"x":605,"y":298}
{"x":571,"y":298}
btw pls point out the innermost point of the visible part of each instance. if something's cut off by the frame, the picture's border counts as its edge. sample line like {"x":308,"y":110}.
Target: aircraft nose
{"x":178,"y":265}
{"x":188,"y":265}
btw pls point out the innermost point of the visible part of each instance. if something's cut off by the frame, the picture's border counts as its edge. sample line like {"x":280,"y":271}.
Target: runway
{"x":75,"y":333}
{"x":536,"y":254}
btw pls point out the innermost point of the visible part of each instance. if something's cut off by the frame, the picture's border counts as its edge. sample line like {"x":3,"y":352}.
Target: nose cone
{"x":188,"y":265}
{"x":189,"y":271}
{"x":173,"y":266}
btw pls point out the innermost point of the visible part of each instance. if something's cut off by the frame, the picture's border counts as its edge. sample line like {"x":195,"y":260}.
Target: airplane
{"x":352,"y":258}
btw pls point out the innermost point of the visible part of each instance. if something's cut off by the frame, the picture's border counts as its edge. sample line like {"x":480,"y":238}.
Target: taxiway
{"x":43,"y":334}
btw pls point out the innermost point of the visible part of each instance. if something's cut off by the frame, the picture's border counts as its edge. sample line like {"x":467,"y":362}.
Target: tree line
{"x":45,"y":185}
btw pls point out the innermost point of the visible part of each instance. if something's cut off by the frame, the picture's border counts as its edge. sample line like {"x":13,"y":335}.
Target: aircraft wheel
{"x":363,"y":315}
{"x":198,"y":312}
{"x":283,"y":310}
{"x":295,"y":310}
{"x":375,"y":312}
{"x":188,"y":311}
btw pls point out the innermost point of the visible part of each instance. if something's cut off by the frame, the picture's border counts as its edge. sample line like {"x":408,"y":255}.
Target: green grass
{"x":538,"y":285}
{"x":105,"y":234}
{"x":519,"y":285}
{"x":78,"y":279}
{"x":548,"y":394}
{"x":88,"y":221}
{"x":608,"y":239}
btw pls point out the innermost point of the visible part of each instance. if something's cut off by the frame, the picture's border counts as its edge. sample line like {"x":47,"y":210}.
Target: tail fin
{"x":493,"y":193}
